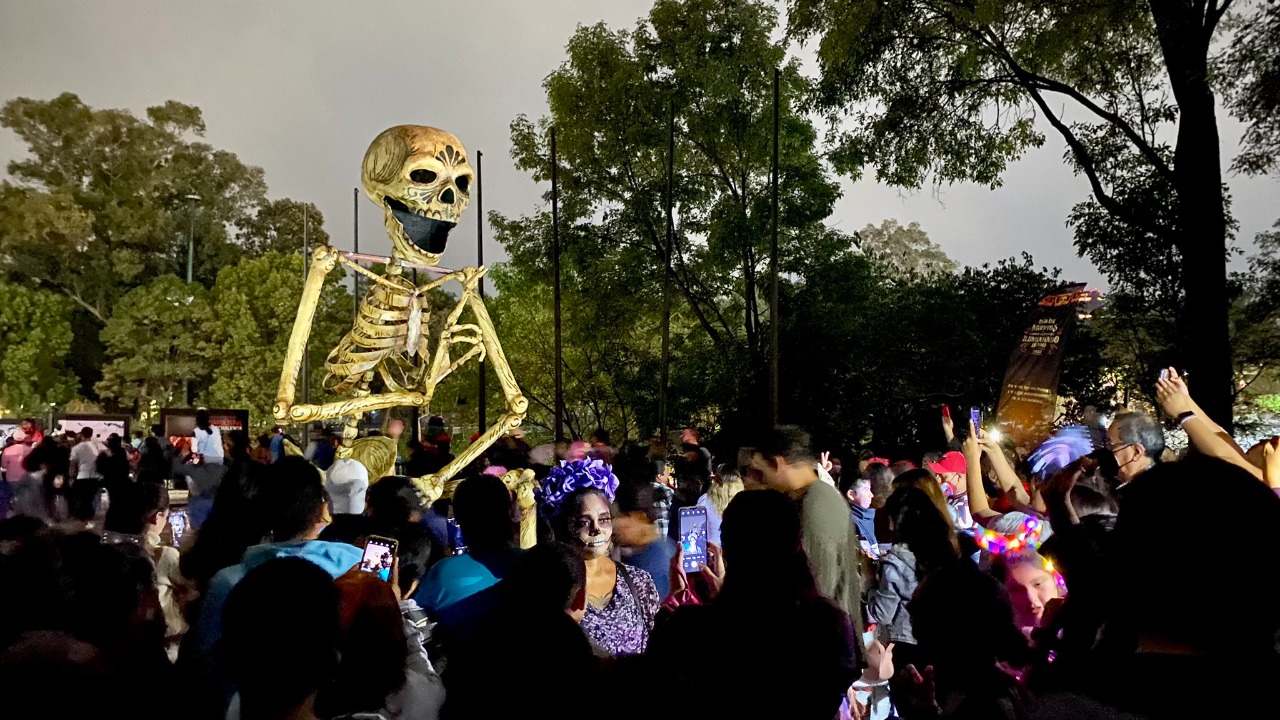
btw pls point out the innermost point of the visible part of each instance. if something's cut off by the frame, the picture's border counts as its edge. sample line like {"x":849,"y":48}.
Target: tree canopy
{"x":950,"y":91}
{"x":35,"y":336}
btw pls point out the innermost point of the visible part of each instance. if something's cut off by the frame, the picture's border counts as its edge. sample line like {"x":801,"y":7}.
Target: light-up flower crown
{"x":571,"y":476}
{"x":1028,"y":537}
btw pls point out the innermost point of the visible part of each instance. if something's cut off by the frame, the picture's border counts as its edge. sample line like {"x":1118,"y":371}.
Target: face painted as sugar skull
{"x":421,"y":178}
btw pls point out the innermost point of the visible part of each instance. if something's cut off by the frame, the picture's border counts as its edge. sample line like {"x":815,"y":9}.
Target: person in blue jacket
{"x":294,"y":508}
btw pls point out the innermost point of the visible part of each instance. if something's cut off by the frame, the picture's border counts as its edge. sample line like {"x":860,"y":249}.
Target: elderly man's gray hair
{"x":1136,"y":428}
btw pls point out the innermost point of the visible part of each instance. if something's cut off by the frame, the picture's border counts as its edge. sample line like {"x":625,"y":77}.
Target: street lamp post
{"x":191,"y":254}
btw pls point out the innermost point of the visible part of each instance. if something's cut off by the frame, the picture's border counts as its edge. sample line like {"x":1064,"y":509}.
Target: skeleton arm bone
{"x":324,"y":260}
{"x":516,"y":402}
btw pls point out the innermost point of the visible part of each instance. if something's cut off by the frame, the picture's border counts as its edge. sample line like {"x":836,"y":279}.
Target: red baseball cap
{"x":952,"y":462}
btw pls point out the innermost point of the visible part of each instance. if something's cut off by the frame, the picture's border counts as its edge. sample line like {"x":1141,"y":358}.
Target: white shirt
{"x":347,"y":480}
{"x":209,"y":444}
{"x":85,"y":457}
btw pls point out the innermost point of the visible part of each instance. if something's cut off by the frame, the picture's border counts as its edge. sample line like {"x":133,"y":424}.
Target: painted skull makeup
{"x":592,"y":525}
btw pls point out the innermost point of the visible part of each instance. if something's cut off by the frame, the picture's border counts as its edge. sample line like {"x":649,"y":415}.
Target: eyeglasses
{"x":1117,"y":448}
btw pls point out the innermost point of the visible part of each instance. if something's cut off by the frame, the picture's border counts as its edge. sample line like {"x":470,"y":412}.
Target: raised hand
{"x":713,"y":572}
{"x":1271,"y":462}
{"x":972,"y":445}
{"x":679,"y":581}
{"x":1173,"y":397}
{"x":948,"y":425}
{"x":879,"y":663}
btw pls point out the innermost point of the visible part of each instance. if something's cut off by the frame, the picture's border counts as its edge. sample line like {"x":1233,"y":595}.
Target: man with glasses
{"x":1137,"y":441}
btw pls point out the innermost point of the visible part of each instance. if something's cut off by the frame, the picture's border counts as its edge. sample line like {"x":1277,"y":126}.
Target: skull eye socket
{"x":425,"y":177}
{"x":463,"y":182}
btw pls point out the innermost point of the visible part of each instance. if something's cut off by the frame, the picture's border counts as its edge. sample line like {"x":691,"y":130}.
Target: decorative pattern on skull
{"x":421,"y":178}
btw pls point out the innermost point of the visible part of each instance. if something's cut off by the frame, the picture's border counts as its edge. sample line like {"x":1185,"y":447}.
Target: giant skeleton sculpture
{"x":421,"y":179}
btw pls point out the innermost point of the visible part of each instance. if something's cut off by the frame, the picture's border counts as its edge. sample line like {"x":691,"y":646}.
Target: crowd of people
{"x":971,"y":581}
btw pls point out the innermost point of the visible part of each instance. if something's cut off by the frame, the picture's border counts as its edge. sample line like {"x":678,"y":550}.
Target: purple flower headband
{"x":570,"y":476}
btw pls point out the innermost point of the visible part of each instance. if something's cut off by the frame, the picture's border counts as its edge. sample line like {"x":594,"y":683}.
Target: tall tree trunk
{"x":1184,"y":35}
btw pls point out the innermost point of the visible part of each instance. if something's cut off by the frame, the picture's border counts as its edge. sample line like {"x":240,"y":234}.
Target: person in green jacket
{"x":786,"y":463}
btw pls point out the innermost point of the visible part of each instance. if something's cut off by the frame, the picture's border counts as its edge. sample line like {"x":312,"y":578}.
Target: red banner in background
{"x":1029,"y":396}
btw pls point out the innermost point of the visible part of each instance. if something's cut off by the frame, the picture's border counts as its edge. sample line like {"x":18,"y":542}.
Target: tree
{"x":871,"y":352}
{"x":255,"y":302}
{"x":1251,"y":69}
{"x":706,"y":67}
{"x":156,"y":345}
{"x":612,"y":346}
{"x":35,"y":335}
{"x":950,"y":90}
{"x":278,"y":227}
{"x":1256,"y":314}
{"x":100,"y":205}
{"x":907,"y":249}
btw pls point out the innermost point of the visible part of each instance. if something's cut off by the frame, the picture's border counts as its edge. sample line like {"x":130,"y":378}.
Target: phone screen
{"x":456,"y":540}
{"x":178,"y":524}
{"x":693,"y":537}
{"x":976,"y":416}
{"x":379,"y":555}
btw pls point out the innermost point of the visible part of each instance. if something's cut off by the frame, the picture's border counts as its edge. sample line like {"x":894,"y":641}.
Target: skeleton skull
{"x":421,"y":178}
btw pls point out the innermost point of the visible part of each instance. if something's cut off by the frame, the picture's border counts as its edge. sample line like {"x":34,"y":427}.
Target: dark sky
{"x":300,"y":88}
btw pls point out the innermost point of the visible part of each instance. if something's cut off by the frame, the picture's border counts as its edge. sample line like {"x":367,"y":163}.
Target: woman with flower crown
{"x":577,"y":497}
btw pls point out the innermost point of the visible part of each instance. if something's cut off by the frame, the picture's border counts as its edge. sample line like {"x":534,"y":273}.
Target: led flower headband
{"x":570,"y":476}
{"x":1028,"y":537}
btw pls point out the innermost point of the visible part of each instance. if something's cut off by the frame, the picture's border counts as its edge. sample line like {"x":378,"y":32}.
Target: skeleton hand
{"x":431,"y":487}
{"x":466,"y":333}
{"x":520,"y":482}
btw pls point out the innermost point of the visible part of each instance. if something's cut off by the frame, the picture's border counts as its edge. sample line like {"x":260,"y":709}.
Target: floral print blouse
{"x":623,"y":626}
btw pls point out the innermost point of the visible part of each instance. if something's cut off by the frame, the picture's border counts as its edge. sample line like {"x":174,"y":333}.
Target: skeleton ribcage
{"x":390,"y":336}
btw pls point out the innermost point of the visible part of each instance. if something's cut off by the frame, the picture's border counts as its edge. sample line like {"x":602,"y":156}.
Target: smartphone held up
{"x":379,"y":556}
{"x":457,"y":544}
{"x":693,"y":538}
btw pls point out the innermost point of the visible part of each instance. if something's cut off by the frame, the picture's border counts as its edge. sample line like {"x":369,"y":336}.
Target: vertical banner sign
{"x":1029,"y":397}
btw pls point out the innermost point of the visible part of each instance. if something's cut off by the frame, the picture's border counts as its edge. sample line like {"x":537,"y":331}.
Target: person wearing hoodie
{"x":922,"y":543}
{"x":294,"y":508}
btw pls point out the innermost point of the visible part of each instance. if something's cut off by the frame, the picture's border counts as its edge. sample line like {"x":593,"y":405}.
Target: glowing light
{"x":1028,"y":537}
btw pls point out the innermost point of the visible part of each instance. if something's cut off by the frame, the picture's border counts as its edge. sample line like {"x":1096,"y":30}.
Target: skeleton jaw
{"x":419,"y":236}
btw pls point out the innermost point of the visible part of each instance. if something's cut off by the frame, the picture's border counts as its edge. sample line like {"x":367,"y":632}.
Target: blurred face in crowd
{"x":1130,"y":457}
{"x":1029,"y":587}
{"x":952,"y":483}
{"x":861,"y":494}
{"x":688,"y":437}
{"x":767,"y":472}
{"x":593,"y":526}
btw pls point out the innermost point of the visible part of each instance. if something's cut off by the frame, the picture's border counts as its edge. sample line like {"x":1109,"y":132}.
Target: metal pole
{"x":666,"y":275}
{"x":483,"y":389}
{"x":191,"y":254}
{"x":306,"y":257}
{"x":415,"y":413}
{"x":191,"y":243}
{"x":355,"y":242}
{"x":555,"y":262}
{"x":773,"y":258}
